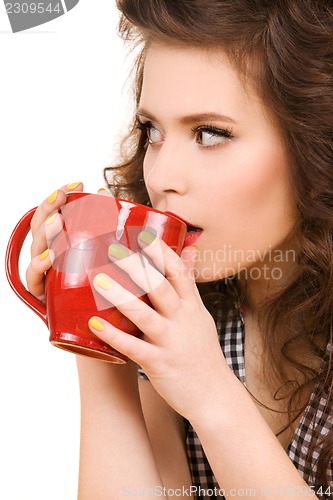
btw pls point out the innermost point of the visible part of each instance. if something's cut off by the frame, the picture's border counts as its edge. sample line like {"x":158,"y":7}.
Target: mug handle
{"x":13,"y":252}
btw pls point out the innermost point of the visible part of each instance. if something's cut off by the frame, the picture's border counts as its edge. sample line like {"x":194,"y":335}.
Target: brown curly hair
{"x":286,"y":49}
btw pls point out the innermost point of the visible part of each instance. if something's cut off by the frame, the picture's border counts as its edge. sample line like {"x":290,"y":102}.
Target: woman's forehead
{"x":190,"y":81}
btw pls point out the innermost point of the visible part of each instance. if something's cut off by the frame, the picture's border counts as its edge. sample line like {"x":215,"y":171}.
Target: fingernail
{"x":52,"y":198}
{"x":96,"y":324}
{"x":73,"y":185}
{"x":147,"y":237}
{"x":118,"y":251}
{"x":103,"y":281}
{"x":43,"y":255}
{"x":101,"y":189}
{"x":50,"y":219}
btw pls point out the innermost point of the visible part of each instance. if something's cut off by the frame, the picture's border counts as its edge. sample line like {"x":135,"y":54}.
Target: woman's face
{"x":215,"y":160}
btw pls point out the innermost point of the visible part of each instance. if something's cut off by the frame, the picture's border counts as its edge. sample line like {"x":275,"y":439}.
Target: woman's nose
{"x":165,"y":170}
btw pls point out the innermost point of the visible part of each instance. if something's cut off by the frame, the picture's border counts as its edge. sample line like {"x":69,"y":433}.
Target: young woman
{"x":233,"y":132}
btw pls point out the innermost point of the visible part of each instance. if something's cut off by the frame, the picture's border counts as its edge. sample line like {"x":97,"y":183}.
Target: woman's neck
{"x":267,"y":277}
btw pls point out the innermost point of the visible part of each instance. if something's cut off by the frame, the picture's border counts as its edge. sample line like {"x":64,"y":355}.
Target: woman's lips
{"x":193,"y":232}
{"x":192,"y":237}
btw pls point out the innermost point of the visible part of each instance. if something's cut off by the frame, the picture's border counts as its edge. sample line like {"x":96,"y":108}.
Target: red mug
{"x":91,"y":222}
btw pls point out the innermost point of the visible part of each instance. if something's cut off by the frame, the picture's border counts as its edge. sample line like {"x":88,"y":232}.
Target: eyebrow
{"x":189,"y":119}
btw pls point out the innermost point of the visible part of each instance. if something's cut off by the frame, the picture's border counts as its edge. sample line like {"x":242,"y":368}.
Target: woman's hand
{"x":45,"y":224}
{"x":179,"y":349}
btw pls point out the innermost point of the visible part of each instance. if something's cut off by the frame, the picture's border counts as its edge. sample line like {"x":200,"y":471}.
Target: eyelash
{"x":219,"y":132}
{"x":226,"y":133}
{"x":143,"y":126}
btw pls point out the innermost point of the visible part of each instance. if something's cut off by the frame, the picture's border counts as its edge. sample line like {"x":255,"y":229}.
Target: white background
{"x":62,"y":110}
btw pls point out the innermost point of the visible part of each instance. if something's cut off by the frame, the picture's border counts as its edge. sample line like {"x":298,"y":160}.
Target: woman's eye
{"x":210,"y":136}
{"x":153,"y":134}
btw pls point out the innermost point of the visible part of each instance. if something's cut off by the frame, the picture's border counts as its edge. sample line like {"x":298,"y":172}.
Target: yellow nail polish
{"x":103,"y":281}
{"x":101,"y":189}
{"x":147,"y":237}
{"x":118,"y":251}
{"x":43,"y":255}
{"x":96,"y":324}
{"x":50,"y":219}
{"x":73,"y":185}
{"x":52,"y":198}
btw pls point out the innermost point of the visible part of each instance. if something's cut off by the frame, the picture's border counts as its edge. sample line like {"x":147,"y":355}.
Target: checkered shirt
{"x":321,"y":421}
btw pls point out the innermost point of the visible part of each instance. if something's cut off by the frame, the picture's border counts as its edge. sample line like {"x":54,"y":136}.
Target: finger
{"x":161,"y":293}
{"x":176,"y":270}
{"x":45,"y":234}
{"x":53,"y":225}
{"x":103,"y":192}
{"x":51,"y":204}
{"x":35,"y":274}
{"x":137,"y":311}
{"x":134,"y":348}
{"x":189,"y":256}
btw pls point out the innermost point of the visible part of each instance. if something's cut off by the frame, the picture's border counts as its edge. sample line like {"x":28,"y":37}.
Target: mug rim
{"x":147,"y":207}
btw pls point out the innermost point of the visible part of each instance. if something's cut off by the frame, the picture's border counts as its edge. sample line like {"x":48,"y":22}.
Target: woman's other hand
{"x":45,"y":224}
